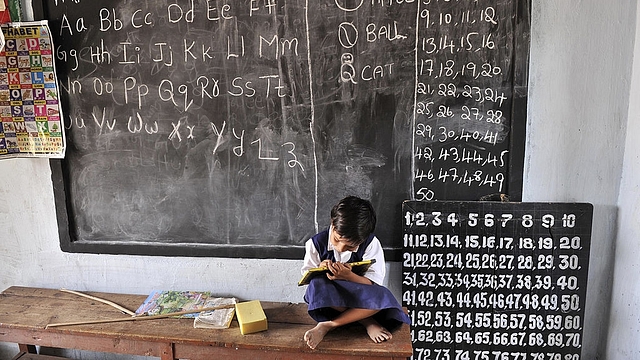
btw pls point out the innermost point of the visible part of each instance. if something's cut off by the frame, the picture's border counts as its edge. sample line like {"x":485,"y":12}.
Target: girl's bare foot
{"x":376,"y":332}
{"x":314,"y":336}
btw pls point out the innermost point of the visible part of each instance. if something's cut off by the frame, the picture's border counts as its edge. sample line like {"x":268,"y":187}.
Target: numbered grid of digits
{"x":495,"y":281}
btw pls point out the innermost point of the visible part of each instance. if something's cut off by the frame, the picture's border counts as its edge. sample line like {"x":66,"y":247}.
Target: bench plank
{"x":24,"y":313}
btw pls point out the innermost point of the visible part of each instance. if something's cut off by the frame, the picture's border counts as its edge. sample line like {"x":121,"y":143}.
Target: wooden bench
{"x":25,"y":312}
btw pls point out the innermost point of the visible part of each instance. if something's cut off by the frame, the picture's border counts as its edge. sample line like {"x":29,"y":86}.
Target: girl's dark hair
{"x":353,"y":218}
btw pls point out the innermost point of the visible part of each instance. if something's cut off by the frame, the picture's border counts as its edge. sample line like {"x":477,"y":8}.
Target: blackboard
{"x":230,"y":128}
{"x":496,"y":280}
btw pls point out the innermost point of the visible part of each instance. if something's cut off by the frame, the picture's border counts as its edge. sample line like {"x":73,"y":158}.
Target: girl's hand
{"x":342,"y":271}
{"x":339,"y":271}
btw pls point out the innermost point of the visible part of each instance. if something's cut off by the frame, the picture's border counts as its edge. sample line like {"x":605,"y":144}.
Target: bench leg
{"x":167,"y":352}
{"x":31,"y":349}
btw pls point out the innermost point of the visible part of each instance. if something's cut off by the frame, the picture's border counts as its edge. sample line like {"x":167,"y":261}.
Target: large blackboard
{"x":229,"y":128}
{"x":496,"y":280}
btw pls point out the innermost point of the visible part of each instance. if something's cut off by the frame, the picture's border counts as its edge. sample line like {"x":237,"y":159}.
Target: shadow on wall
{"x":600,"y":283}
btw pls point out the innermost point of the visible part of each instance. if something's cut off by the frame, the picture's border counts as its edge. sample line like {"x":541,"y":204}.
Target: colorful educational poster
{"x":161,"y":302}
{"x":32,"y":121}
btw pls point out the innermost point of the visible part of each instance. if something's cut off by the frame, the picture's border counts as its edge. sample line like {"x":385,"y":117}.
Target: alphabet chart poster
{"x":32,"y":121}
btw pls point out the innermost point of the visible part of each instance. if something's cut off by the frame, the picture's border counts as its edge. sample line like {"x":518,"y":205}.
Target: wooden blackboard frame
{"x":70,"y":243}
{"x":520,"y":95}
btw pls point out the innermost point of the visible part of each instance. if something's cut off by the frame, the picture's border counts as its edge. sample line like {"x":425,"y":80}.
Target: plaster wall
{"x":580,"y":77}
{"x":624,"y":328}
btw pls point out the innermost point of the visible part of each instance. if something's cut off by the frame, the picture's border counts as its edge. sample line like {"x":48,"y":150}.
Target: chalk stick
{"x":251,"y":317}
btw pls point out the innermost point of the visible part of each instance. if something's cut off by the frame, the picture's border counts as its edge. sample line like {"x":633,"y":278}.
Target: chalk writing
{"x":456,"y":99}
{"x":504,"y":279}
{"x":235,"y":107}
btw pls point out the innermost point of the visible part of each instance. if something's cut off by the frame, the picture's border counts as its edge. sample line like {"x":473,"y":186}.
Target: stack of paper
{"x":216,"y":319}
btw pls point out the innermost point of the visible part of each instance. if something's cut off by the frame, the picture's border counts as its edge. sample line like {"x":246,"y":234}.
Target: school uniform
{"x":323,"y":294}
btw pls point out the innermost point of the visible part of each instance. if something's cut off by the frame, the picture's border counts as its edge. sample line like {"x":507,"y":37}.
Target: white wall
{"x":580,"y":88}
{"x":580,"y":75}
{"x":624,"y":334}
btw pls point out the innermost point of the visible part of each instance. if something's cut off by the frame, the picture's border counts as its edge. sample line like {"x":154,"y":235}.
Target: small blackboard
{"x":230,"y":128}
{"x":496,"y":279}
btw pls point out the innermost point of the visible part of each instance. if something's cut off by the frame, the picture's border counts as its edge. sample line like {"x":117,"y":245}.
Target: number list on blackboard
{"x":464,"y":98}
{"x":496,"y":280}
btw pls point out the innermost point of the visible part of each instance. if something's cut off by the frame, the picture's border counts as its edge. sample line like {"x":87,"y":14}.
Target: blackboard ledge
{"x":184,"y":249}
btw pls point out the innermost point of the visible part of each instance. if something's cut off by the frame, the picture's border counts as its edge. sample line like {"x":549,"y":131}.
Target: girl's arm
{"x":311,"y":257}
{"x":377,"y":271}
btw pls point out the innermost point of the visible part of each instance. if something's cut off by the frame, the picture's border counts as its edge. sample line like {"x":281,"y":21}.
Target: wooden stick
{"x":125,"y":310}
{"x":137,"y":318}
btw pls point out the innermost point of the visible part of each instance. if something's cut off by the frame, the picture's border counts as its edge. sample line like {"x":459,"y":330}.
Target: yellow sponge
{"x":251,"y":317}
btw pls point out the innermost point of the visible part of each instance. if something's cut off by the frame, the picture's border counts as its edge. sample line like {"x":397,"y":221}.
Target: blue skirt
{"x":323,"y":295}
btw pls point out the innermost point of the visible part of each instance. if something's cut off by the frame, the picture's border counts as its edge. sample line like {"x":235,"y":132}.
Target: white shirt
{"x":376,"y":272}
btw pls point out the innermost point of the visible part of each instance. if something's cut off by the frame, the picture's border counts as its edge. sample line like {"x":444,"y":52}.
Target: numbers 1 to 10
{"x":437,"y":218}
